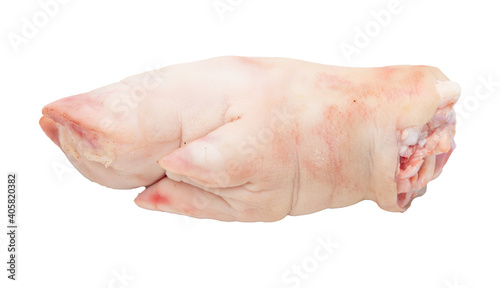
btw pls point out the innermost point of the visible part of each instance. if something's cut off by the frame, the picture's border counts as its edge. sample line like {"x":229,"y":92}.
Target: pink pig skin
{"x":256,"y":139}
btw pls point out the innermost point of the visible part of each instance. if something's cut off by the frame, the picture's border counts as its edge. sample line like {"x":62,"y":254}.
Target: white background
{"x":75,"y":233}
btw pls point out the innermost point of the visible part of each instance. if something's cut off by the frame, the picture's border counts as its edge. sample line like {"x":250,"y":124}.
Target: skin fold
{"x":256,"y":139}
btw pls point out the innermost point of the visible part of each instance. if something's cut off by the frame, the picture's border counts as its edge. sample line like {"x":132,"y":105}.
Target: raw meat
{"x":256,"y":139}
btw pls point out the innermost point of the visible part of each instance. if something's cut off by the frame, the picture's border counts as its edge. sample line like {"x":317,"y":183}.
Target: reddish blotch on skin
{"x":157,"y":199}
{"x":327,"y":166}
{"x":326,"y":80}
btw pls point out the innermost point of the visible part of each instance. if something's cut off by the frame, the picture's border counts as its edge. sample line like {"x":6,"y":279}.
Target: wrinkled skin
{"x":249,"y":139}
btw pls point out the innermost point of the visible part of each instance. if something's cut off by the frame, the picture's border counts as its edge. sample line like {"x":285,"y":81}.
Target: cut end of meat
{"x":424,"y":150}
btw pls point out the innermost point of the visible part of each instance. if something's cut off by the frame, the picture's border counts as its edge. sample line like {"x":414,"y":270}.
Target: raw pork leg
{"x":256,"y":139}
